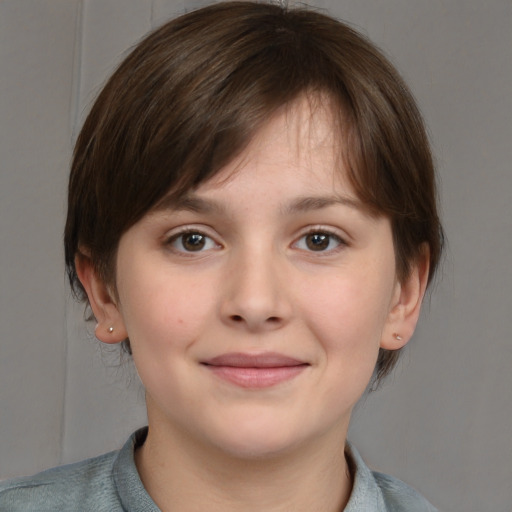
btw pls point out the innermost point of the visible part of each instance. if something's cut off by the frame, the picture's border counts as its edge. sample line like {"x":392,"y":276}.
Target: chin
{"x":258,"y":439}
{"x":257,"y":448}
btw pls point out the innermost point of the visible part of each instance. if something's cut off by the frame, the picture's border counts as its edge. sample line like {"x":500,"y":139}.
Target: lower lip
{"x":256,"y":378}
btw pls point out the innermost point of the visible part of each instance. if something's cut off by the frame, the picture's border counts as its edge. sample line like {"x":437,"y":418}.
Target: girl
{"x":252,"y":214}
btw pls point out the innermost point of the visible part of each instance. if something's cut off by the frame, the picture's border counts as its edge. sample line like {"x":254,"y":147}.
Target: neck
{"x":182,"y":476}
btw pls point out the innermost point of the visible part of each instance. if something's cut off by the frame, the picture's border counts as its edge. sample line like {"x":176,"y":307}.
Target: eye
{"x":191,"y":241}
{"x":319,"y":241}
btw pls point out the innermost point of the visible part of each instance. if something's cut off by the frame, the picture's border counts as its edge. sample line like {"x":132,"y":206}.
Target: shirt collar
{"x":366,"y":494}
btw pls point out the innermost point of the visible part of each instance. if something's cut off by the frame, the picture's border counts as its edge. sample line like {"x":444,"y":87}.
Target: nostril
{"x":270,"y":319}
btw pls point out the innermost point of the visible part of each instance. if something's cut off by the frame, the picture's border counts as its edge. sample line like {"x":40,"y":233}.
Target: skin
{"x":255,"y":282}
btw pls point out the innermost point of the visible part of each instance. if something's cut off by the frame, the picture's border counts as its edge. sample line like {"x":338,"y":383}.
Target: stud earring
{"x":110,"y":329}
{"x":398,"y":337}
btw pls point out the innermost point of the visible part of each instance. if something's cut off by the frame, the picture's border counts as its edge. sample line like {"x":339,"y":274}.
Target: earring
{"x":110,"y":329}
{"x":397,"y":337}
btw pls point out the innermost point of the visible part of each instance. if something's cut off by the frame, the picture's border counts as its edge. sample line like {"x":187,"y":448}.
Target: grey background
{"x":443,"y":422}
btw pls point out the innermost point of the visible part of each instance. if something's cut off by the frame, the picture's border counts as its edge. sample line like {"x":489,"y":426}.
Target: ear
{"x":406,"y":304}
{"x":110,"y":326}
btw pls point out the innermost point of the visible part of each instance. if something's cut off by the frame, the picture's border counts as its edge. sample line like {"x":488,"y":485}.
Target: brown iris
{"x":193,"y":241}
{"x":318,"y":241}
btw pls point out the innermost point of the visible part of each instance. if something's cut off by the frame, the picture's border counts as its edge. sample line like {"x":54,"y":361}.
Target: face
{"x":256,"y":306}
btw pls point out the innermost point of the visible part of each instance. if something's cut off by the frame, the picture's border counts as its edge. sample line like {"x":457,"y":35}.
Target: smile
{"x":255,"y":371}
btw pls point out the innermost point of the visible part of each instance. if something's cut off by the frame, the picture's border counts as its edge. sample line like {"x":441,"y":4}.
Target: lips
{"x":255,"y":370}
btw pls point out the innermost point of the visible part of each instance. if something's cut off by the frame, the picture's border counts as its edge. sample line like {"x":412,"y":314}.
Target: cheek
{"x":347,"y":330}
{"x":352,"y":305}
{"x":347,"y":315}
{"x":164,"y":318}
{"x":164,"y":313}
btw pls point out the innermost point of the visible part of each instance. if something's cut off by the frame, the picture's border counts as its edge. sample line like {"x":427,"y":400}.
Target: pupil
{"x":317,"y":241}
{"x":193,"y":242}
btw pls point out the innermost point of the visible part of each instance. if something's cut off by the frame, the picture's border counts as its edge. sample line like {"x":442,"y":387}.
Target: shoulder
{"x":400,"y":497}
{"x":377,"y":492}
{"x":85,"y":485}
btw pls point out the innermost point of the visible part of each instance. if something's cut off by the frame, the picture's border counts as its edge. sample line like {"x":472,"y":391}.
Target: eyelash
{"x":328,"y":234}
{"x":176,"y":237}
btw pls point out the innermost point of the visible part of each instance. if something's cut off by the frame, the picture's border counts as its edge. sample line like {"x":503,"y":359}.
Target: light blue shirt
{"x":111,"y":483}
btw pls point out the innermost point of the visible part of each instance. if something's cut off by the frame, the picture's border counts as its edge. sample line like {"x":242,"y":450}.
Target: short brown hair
{"x":191,"y":95}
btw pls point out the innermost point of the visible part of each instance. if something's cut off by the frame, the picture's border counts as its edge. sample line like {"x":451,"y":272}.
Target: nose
{"x":256,"y":296}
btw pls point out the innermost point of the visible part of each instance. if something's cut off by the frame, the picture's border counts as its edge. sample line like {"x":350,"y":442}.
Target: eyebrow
{"x":306,"y":204}
{"x":303,"y":204}
{"x":189,"y":203}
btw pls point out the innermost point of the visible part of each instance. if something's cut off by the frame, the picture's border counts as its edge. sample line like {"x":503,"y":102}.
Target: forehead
{"x":300,"y":151}
{"x":294,"y":161}
{"x":303,"y":135}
